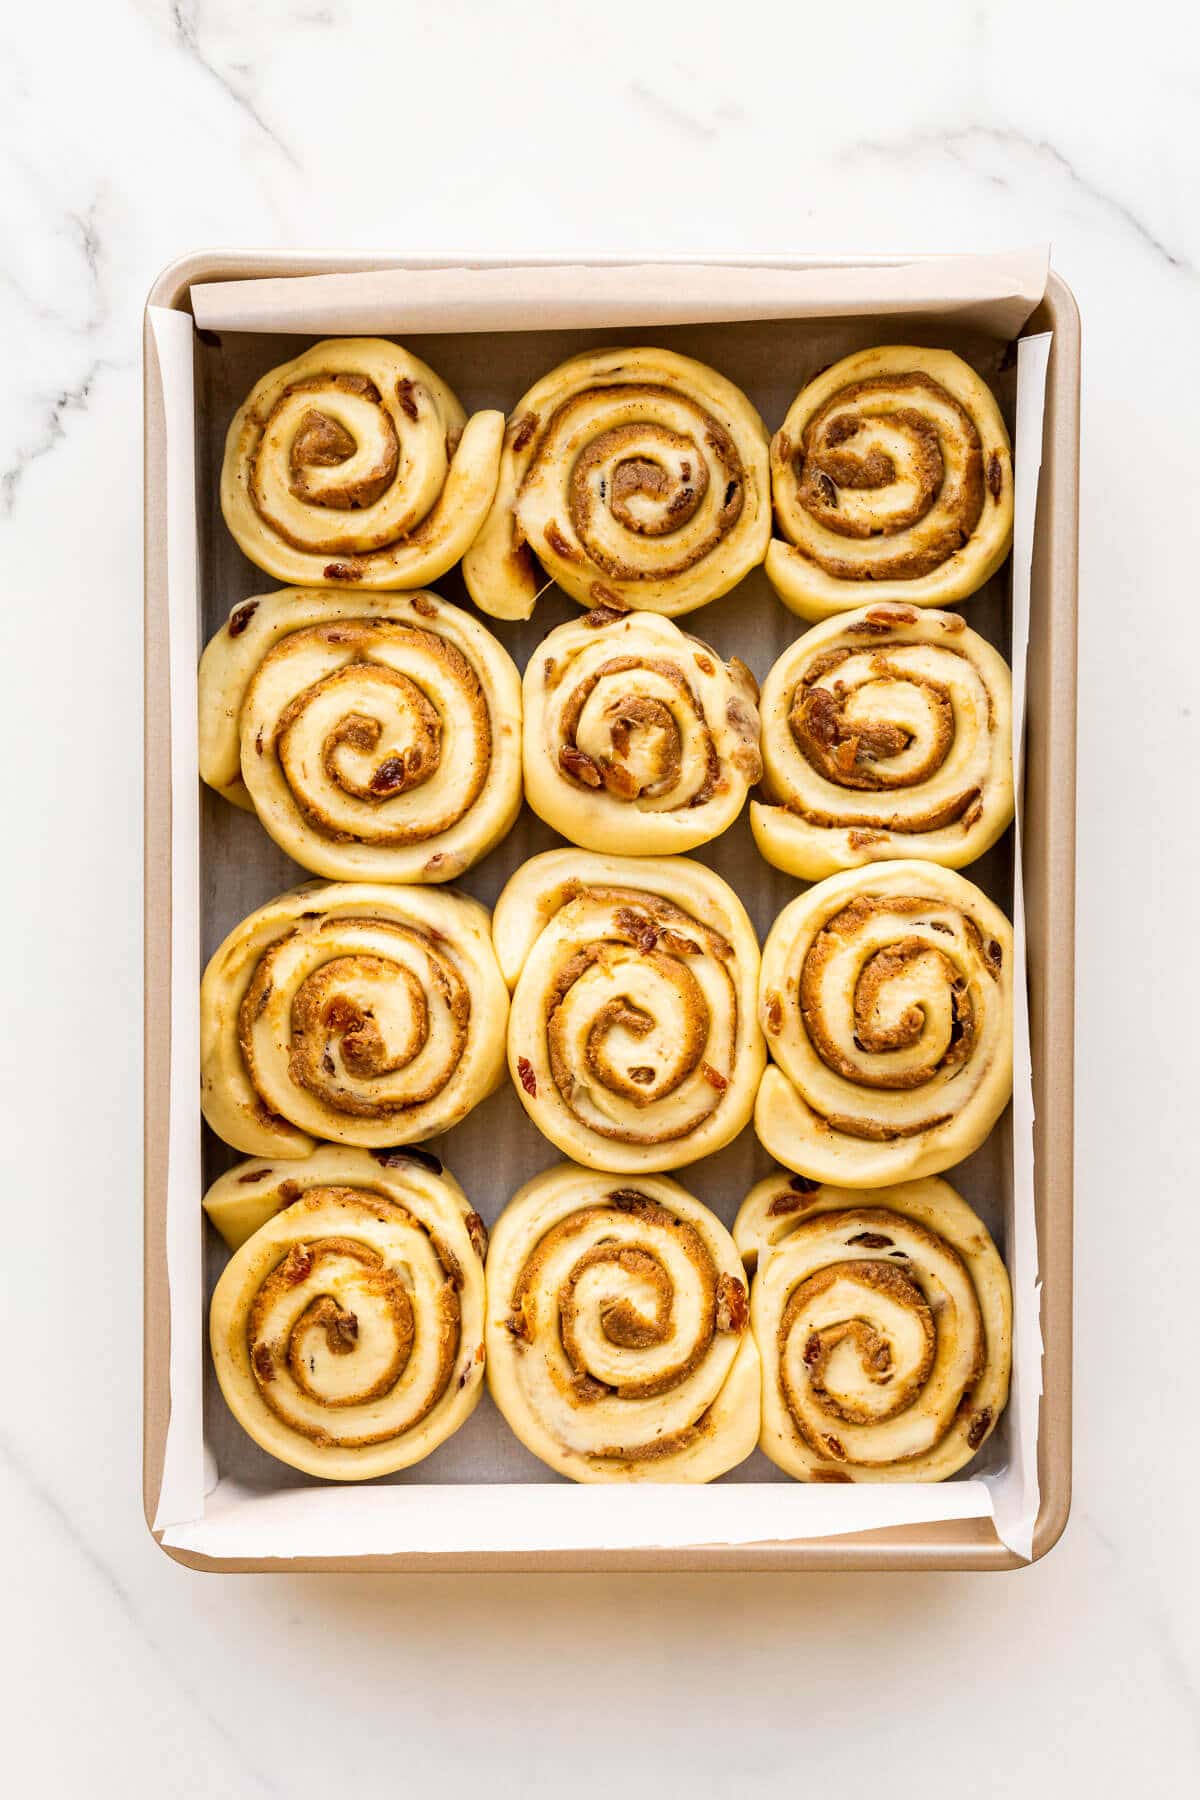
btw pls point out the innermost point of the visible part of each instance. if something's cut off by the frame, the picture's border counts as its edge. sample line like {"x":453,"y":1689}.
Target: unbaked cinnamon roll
{"x":886,"y":999}
{"x":886,"y":732}
{"x":636,"y":479}
{"x":355,"y":465}
{"x":638,"y":739}
{"x":377,"y":737}
{"x":632,"y":1041}
{"x":617,"y":1330}
{"x":347,"y":1330}
{"x":884,"y":1323}
{"x":892,"y":480}
{"x":367,"y":1014}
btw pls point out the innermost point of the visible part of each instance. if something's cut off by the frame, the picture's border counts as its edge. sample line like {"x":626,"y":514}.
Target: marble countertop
{"x":139,"y":129}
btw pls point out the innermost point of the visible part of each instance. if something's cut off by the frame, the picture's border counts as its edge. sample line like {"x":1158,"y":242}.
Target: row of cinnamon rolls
{"x":390,"y":737}
{"x":624,"y":1333}
{"x":629,"y":1000}
{"x":635,"y":478}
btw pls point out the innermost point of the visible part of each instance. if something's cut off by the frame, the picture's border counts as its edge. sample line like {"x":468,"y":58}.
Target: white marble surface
{"x":136,"y":129}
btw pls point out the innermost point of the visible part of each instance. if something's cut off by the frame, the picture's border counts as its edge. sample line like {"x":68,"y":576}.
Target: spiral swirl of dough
{"x":633,"y":1040}
{"x":886,"y":998}
{"x":354,"y":464}
{"x":639,"y":740}
{"x":366,"y":1014}
{"x":884,"y":1323}
{"x":892,"y":480}
{"x":376,"y":737}
{"x":618,"y":1345}
{"x":347,"y":1330}
{"x":638,"y":479}
{"x":886,"y":732}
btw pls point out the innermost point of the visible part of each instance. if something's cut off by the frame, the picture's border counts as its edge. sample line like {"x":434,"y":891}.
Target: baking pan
{"x":1049,"y":896}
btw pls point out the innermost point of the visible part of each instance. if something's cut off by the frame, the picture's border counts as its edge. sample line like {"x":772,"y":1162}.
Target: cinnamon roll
{"x":892,"y":480}
{"x":376,"y":736}
{"x":347,"y":1330}
{"x":636,"y":479}
{"x":886,"y":732}
{"x":367,"y":1014}
{"x":355,"y":465}
{"x":632,"y":1040}
{"x":618,"y":1346}
{"x":638,"y":740}
{"x":884,"y":1323}
{"x":886,"y":999}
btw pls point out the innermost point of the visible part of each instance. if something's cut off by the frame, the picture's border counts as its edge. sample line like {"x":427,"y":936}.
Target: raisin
{"x":395,"y":1159}
{"x":241,"y":617}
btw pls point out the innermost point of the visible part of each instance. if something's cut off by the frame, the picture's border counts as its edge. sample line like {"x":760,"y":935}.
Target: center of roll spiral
{"x":349,"y":1343}
{"x":632,"y":1319}
{"x":627,"y":1051}
{"x":366,"y":1033}
{"x":636,"y":744}
{"x":652,"y":494}
{"x":895,"y":457}
{"x":338,"y":1004}
{"x":857,"y":1342}
{"x":845,"y":734}
{"x":337,"y":1319}
{"x":646,"y":746}
{"x":891,"y":457}
{"x":650,"y":480}
{"x":377,"y":710}
{"x":405,"y":722}
{"x":618,"y":1319}
{"x":323,"y":441}
{"x":912,"y":1010}
{"x":638,"y":1009}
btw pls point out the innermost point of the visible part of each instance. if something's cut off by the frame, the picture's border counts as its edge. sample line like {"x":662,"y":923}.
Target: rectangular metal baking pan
{"x":1049,"y":887}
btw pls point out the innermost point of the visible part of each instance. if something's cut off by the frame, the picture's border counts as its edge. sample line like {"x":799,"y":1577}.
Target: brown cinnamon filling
{"x":675,"y":492}
{"x":854,"y":754}
{"x":381,"y":703}
{"x":884,"y":966}
{"x":624,"y":1322}
{"x":642,"y":722}
{"x":324,"y":443}
{"x":836,"y":456}
{"x":327,"y":1327}
{"x":336,"y":1040}
{"x":667,"y":938}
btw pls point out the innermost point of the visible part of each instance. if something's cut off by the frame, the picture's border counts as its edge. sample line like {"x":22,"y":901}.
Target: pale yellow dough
{"x":633,"y":1041}
{"x":347,"y":1329}
{"x":354,"y":465}
{"x":618,"y":1342}
{"x":376,"y":736}
{"x":638,"y":739}
{"x":635,"y":478}
{"x":886,"y":999}
{"x":899,"y":490}
{"x":358,"y":1012}
{"x":884,"y":1323}
{"x":885,"y":732}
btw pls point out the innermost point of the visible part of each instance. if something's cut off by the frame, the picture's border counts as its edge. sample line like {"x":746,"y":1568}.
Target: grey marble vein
{"x":185,"y":25}
{"x":58,"y":1516}
{"x":965,"y":144}
{"x":51,"y":431}
{"x":683,"y":118}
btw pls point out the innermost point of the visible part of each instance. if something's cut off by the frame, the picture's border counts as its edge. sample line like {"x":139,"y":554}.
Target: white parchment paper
{"x":220,"y":1495}
{"x":994,"y":293}
{"x":182,"y":1491}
